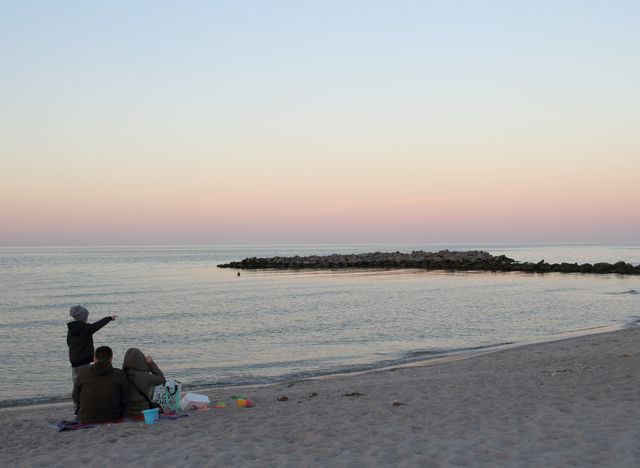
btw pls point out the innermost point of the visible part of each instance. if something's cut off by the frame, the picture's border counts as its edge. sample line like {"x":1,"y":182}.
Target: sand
{"x":574,"y":402}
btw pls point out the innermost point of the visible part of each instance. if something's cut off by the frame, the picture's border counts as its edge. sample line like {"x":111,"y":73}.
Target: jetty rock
{"x":469,"y":260}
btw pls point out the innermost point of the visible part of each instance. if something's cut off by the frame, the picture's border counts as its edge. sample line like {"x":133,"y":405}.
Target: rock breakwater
{"x":442,"y":260}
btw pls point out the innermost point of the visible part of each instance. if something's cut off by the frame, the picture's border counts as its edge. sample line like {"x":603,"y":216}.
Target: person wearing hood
{"x":100,"y":391}
{"x":143,"y":375}
{"x":80,"y":339}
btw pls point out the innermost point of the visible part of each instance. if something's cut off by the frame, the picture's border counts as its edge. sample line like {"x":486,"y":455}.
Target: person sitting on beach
{"x":143,"y":375}
{"x":100,"y":392}
{"x":80,"y":339}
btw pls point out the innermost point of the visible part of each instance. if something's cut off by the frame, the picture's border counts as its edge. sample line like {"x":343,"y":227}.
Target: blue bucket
{"x":151,"y":416}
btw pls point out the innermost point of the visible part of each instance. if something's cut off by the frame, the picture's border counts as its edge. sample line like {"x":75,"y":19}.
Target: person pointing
{"x":80,"y":339}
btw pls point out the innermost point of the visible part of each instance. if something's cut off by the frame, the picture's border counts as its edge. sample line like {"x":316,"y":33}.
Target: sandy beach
{"x":572,"y":402}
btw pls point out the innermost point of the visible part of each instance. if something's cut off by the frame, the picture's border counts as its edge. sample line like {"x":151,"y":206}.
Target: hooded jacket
{"x":145,"y":376}
{"x":101,"y":393}
{"x":80,"y":340}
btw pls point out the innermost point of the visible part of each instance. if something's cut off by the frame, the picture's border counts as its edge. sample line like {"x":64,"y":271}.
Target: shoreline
{"x":570,"y":401}
{"x":445,"y":357}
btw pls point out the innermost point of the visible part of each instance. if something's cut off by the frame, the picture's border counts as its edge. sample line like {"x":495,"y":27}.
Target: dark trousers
{"x":74,"y":378}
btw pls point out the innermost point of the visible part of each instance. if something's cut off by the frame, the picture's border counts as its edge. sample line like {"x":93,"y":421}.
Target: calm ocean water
{"x":206,"y":326}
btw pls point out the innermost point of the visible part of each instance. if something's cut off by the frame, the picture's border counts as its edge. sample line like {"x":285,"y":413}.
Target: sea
{"x":208,"y":327}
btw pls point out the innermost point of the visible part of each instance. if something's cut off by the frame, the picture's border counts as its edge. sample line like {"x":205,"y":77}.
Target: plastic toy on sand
{"x":244,"y":403}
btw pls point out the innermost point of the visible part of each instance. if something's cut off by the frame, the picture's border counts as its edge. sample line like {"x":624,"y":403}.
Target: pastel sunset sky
{"x":206,"y":122}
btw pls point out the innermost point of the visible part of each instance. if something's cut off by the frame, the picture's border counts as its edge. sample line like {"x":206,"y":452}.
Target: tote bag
{"x":168,"y":395}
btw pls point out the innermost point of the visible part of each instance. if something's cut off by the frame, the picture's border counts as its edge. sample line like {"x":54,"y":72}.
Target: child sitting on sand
{"x":80,"y":339}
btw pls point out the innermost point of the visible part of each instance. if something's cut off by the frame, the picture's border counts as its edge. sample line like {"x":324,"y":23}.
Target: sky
{"x":156,"y":122}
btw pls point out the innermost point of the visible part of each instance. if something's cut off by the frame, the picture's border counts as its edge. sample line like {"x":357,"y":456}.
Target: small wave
{"x":630,"y":291}
{"x":634,"y":322}
{"x":43,"y":400}
{"x":447,"y":351}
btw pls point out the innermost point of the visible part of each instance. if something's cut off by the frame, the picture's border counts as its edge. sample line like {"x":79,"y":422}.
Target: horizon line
{"x":259,"y":244}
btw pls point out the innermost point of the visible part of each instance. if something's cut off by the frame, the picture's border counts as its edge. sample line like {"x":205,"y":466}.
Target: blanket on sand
{"x":75,"y":425}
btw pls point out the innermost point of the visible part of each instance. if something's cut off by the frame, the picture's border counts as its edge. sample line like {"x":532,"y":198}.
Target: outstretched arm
{"x":94,"y":327}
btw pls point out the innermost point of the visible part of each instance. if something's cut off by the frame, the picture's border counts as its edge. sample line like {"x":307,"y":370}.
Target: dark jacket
{"x":145,"y":376}
{"x":80,"y":340}
{"x":101,"y":392}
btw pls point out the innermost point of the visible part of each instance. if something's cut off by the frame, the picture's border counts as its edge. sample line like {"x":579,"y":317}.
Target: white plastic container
{"x":194,"y":400}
